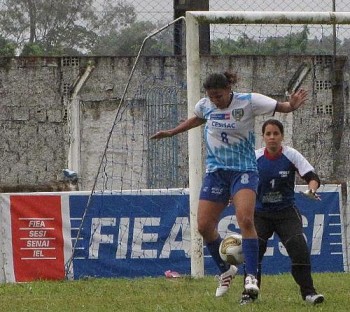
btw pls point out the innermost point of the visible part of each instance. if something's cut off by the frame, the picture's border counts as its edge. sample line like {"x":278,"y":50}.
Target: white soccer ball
{"x":231,"y":249}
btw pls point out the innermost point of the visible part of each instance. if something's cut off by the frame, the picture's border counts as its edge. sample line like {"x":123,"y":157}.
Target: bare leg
{"x":208,"y":219}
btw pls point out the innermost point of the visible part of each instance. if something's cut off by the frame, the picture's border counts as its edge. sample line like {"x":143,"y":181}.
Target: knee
{"x":206,"y":230}
{"x":246,"y":223}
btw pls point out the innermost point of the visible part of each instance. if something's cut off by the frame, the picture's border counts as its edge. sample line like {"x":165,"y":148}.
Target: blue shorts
{"x":220,"y":185}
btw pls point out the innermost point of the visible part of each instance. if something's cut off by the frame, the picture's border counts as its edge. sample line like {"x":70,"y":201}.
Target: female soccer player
{"x":276,"y":211}
{"x":231,"y":171}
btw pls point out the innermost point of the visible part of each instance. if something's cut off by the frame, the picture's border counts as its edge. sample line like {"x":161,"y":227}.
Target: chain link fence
{"x":157,"y":13}
{"x":107,"y":27}
{"x":162,"y":11}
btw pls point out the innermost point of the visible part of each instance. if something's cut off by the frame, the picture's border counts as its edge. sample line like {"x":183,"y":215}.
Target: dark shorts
{"x":285,"y":223}
{"x":220,"y":185}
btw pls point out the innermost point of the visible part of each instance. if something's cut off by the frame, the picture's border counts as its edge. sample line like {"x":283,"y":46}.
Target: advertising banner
{"x":140,"y":235}
{"x":131,"y":235}
{"x":37,"y":239}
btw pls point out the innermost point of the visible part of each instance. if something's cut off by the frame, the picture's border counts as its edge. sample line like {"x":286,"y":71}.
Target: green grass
{"x":278,"y":293}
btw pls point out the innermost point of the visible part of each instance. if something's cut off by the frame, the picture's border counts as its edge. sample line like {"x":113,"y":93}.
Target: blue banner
{"x":146,"y":235}
{"x":131,"y":235}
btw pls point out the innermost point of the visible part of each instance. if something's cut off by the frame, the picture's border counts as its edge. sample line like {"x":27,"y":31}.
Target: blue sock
{"x":213,"y":248}
{"x":250,"y":248}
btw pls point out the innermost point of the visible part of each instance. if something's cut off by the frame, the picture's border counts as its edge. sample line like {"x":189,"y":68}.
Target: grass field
{"x":278,"y":293}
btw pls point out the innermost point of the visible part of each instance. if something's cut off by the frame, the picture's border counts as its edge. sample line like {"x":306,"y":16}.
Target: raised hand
{"x":298,"y":98}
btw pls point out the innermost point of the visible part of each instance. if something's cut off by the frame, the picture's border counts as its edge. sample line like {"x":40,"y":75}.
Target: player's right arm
{"x":182,"y":127}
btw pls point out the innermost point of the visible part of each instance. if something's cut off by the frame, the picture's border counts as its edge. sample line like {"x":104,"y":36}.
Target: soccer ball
{"x":231,"y":249}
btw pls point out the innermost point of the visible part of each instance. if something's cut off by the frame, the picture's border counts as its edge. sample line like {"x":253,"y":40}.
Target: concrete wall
{"x":33,"y":121}
{"x":41,"y":134}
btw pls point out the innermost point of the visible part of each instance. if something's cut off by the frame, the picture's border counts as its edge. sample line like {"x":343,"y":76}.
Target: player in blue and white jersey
{"x":231,"y":170}
{"x":276,"y":211}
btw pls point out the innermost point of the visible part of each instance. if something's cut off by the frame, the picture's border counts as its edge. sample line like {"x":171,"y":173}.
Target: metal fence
{"x":162,"y":11}
{"x":159,"y":13}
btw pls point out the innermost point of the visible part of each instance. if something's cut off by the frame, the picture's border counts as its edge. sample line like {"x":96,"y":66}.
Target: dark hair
{"x":219,"y":81}
{"x":274,"y":122}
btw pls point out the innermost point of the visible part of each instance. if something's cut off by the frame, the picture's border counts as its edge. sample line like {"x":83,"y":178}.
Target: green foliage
{"x":128,"y":41}
{"x":39,"y":49}
{"x":88,"y":27}
{"x":278,"y":293}
{"x":75,"y":27}
{"x":61,"y":27}
{"x":324,"y":45}
{"x":293,"y":43}
{"x":32,"y":49}
{"x":7,"y":48}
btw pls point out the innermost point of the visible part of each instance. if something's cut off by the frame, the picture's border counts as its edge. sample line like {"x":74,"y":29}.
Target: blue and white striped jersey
{"x":277,"y":177}
{"x":229,"y":133}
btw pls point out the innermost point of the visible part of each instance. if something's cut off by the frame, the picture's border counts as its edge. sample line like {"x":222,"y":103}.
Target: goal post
{"x":193,"y":20}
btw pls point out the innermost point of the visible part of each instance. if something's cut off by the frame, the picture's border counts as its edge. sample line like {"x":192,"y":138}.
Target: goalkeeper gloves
{"x":312,"y":194}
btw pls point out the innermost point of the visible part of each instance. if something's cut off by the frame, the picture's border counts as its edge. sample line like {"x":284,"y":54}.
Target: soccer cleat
{"x":225,"y":281}
{"x":246,"y":299}
{"x":251,"y":285}
{"x":314,"y":298}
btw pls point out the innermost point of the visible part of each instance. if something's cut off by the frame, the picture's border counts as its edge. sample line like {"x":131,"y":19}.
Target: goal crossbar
{"x":193,"y":20}
{"x":269,"y":17}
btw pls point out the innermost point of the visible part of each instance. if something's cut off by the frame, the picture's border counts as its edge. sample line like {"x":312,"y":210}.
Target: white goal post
{"x":193,"y":19}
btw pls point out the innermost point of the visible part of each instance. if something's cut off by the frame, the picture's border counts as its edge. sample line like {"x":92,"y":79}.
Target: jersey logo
{"x":283,"y":174}
{"x":220,"y":116}
{"x":238,"y":114}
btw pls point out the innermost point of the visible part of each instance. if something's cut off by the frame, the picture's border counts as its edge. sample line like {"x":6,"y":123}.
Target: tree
{"x":293,"y":43}
{"x":61,"y":27}
{"x":7,"y":48}
{"x":32,"y":49}
{"x":322,"y":45}
{"x":128,"y":41}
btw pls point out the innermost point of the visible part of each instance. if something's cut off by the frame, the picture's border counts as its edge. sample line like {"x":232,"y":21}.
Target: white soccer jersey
{"x":229,"y":133}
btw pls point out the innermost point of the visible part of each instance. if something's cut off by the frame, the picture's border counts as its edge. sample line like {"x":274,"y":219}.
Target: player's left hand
{"x":312,"y":194}
{"x":298,"y":98}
